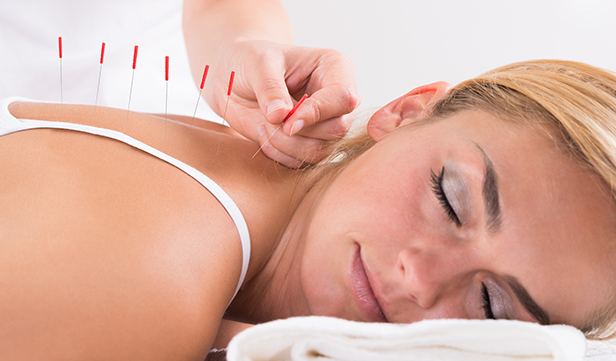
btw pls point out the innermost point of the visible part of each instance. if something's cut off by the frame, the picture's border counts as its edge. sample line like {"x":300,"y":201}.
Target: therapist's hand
{"x":269,"y":80}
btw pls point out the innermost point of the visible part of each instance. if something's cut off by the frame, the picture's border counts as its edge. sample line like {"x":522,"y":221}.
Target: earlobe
{"x":406,"y":109}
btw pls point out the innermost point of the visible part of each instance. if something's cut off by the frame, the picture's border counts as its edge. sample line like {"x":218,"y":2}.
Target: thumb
{"x":273,"y":98}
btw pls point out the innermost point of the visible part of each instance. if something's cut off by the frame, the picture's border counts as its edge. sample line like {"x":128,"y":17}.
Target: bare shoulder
{"x":154,"y":294}
{"x":107,"y":252}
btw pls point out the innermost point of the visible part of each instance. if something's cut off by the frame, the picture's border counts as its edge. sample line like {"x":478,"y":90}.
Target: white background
{"x":398,"y":45}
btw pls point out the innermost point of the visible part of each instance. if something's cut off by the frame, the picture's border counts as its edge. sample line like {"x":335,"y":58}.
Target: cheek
{"x":322,"y":287}
{"x":389,"y":197}
{"x":325,"y":267}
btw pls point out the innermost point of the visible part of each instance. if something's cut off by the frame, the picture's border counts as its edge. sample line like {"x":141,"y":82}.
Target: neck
{"x":275,"y":291}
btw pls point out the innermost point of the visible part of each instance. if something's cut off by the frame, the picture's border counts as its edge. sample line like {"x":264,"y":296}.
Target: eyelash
{"x":437,"y":188}
{"x":485,"y":303}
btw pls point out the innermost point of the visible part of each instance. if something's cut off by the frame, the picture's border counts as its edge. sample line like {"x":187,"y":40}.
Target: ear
{"x":406,"y":109}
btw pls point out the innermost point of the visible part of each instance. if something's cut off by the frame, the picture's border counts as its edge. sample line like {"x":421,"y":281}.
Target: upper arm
{"x":227,"y":330}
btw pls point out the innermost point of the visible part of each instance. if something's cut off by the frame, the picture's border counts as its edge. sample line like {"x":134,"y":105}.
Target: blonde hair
{"x":575,"y":99}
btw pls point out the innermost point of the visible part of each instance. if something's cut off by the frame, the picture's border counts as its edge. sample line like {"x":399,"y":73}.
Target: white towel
{"x":601,"y":351}
{"x":326,"y":338}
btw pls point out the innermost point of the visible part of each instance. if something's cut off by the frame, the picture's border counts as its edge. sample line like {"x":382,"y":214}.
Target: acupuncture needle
{"x":207,"y":67}
{"x":61,"y":90}
{"x":224,"y":116}
{"x":130,"y":93}
{"x":100,"y":71}
{"x":166,"y":91}
{"x":284,"y":120}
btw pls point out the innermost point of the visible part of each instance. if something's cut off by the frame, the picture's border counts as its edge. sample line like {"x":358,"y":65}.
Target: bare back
{"x":107,"y":251}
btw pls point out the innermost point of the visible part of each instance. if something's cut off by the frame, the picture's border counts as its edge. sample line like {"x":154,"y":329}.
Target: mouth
{"x":362,"y":291}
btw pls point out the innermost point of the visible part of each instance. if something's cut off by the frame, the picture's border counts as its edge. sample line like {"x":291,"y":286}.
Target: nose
{"x":428,"y":275}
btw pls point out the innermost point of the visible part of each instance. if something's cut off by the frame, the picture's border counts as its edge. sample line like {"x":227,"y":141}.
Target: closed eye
{"x":486,"y":304}
{"x":437,"y":188}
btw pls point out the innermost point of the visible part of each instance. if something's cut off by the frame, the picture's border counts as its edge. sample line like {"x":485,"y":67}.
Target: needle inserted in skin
{"x":61,"y":90}
{"x":207,"y":67}
{"x":100,"y":71}
{"x":166,"y":91}
{"x":226,"y":106}
{"x":284,"y":120}
{"x":131,"y":84}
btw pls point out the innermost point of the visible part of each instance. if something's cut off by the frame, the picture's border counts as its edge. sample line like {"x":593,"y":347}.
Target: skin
{"x":110,"y":253}
{"x":72,"y":275}
{"x":422,"y":266}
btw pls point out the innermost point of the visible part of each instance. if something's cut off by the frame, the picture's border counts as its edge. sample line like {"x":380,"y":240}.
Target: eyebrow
{"x":491,"y":201}
{"x":527,"y":302}
{"x":490,"y":194}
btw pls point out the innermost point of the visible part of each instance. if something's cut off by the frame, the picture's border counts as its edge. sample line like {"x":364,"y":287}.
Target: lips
{"x":362,"y":291}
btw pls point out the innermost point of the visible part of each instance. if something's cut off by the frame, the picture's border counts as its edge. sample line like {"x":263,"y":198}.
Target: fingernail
{"x":275,"y":105}
{"x":261,"y":130}
{"x":296,"y":127}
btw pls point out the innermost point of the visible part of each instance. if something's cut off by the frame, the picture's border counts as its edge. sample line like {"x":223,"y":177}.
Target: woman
{"x":492,"y":200}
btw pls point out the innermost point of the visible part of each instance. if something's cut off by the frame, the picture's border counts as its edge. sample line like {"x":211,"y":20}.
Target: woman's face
{"x":467,"y":217}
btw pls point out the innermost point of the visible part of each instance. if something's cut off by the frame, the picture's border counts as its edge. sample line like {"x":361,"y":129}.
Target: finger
{"x":267,"y":149}
{"x":306,"y":150}
{"x":327,"y":103}
{"x":331,"y":86}
{"x":271,"y":91}
{"x":330,"y":129}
